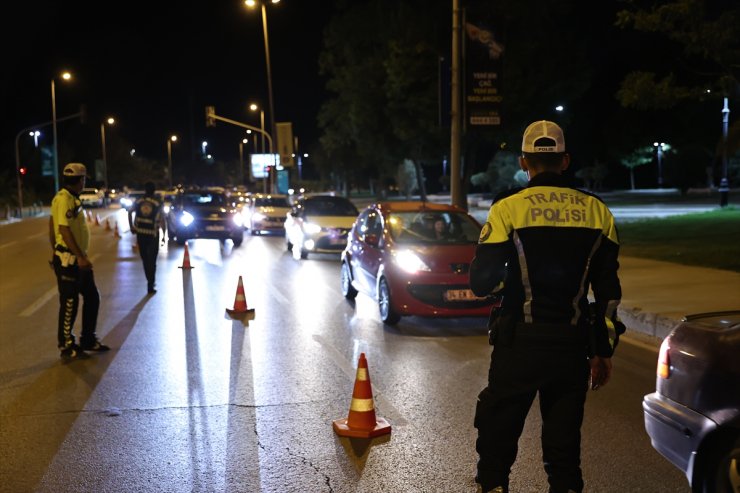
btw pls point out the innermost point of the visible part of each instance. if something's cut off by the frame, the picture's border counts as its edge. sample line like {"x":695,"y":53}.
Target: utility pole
{"x":455,"y":182}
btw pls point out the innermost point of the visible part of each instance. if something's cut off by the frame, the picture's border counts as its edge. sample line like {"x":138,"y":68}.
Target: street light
{"x":241,"y":160}
{"x":661,"y":147}
{"x":252,"y":4}
{"x":109,"y":121}
{"x":35,"y":134}
{"x":724,"y":184}
{"x":65,"y":76}
{"x":203,"y":146}
{"x":172,"y":139}
{"x":254,"y":107}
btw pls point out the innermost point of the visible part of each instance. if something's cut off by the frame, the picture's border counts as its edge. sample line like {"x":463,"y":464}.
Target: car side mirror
{"x":372,"y":240}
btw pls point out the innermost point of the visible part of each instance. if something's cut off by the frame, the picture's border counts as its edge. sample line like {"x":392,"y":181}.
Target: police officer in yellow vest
{"x":542,"y":249}
{"x":70,"y":238}
{"x":145,"y":218}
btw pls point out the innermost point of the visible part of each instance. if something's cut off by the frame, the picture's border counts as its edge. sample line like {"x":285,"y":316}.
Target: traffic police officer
{"x":70,"y":238}
{"x":541,"y":250}
{"x":146,"y":225}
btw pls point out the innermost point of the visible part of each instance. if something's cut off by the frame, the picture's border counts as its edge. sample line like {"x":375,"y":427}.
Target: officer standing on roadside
{"x":145,"y":225}
{"x":542,"y":248}
{"x":70,"y":237}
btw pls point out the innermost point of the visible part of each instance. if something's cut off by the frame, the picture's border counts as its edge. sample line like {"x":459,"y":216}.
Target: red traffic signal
{"x":22,"y":171}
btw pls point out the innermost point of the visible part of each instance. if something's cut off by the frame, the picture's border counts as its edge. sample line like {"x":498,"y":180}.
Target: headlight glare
{"x":409,"y":262}
{"x":186,"y":219}
{"x":311,"y":228}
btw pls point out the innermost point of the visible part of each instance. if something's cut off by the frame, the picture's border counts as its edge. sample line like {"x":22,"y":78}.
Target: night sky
{"x":155,"y":65}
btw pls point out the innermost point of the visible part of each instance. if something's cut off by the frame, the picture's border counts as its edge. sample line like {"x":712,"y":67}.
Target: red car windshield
{"x":433,"y":227}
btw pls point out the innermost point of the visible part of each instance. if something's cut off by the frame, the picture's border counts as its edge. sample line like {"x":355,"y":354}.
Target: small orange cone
{"x":97,"y":219}
{"x":186,"y":259}
{"x":240,"y":301}
{"x":115,"y":230}
{"x":88,"y":216}
{"x":362,"y":422}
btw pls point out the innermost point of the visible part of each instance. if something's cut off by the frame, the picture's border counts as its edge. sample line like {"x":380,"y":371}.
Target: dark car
{"x":414,"y":259}
{"x":693,"y":417}
{"x":204,"y":213}
{"x":319,"y":223}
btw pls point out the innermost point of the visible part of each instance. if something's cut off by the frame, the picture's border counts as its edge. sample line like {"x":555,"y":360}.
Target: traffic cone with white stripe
{"x":361,"y":421}
{"x":107,"y":225}
{"x":186,"y":259}
{"x":240,"y":302}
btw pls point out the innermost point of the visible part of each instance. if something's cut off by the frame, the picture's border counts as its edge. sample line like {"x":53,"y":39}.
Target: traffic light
{"x":23,"y":170}
{"x":210,"y":113}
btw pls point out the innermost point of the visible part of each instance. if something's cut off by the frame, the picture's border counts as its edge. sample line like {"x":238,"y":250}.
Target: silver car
{"x":693,"y":417}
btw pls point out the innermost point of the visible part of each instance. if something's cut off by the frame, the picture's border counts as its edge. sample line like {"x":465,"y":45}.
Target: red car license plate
{"x":459,"y":295}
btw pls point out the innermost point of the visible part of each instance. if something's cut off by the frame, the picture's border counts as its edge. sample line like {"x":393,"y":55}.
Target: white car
{"x":92,"y":197}
{"x":319,"y":224}
{"x":265,"y":212}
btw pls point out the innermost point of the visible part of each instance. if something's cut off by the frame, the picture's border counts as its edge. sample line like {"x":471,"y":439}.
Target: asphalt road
{"x":190,"y":400}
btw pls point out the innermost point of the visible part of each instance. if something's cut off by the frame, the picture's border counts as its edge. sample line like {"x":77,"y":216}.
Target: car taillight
{"x":664,"y":360}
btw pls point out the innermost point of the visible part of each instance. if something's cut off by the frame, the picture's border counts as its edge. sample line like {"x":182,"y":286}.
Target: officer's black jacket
{"x":548,"y":244}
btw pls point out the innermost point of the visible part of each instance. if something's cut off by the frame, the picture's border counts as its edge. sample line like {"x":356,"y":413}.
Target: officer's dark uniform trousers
{"x":550,"y":360}
{"x":73,"y":282}
{"x":147,"y":235}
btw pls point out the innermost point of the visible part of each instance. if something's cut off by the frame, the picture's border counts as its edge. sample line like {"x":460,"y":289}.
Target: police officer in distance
{"x":542,"y":249}
{"x":146,"y":218}
{"x":70,"y":237}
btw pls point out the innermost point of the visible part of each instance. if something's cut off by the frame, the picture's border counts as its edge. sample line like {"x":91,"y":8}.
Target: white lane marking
{"x":351,"y":372}
{"x":8,"y":244}
{"x":36,"y":305}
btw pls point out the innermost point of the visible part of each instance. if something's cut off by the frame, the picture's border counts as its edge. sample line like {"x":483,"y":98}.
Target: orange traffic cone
{"x":186,"y":259}
{"x":240,"y":301}
{"x":362,"y":422}
{"x":107,"y":225}
{"x":97,"y":219}
{"x":88,"y":216}
{"x":115,"y":230}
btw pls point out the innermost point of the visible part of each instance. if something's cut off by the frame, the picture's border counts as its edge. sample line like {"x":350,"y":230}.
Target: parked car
{"x":92,"y":197}
{"x":204,"y":213}
{"x":130,"y":199}
{"x":266,"y":213}
{"x":414,"y":259}
{"x":693,"y":417}
{"x":319,"y":223}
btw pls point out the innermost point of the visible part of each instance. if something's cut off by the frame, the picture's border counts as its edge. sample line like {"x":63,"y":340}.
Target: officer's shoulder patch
{"x":69,"y":214}
{"x":485,"y":232}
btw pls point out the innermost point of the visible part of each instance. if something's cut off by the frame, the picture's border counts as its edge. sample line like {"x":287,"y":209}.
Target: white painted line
{"x":39,"y":303}
{"x":8,"y":244}
{"x":36,"y":305}
{"x":349,"y":370}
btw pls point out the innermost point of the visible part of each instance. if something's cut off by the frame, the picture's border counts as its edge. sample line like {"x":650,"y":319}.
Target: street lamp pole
{"x":169,"y":158}
{"x":109,"y":121}
{"x":660,"y":146}
{"x":724,"y":184}
{"x":251,"y":3}
{"x":241,"y":160}
{"x":455,"y":124}
{"x":55,"y":160}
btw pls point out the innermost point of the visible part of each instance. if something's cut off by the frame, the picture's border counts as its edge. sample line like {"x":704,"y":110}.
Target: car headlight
{"x":186,"y":219}
{"x":258,"y":216}
{"x":238,"y":219}
{"x":311,"y":228}
{"x":409,"y":262}
{"x":167,"y":209}
{"x":126,"y":202}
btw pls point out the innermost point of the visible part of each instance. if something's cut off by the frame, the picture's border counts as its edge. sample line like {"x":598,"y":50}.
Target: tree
{"x":380,"y":60}
{"x":407,"y":178}
{"x":639,"y":157}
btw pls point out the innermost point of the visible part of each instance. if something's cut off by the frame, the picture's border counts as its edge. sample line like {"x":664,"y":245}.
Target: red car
{"x":413,"y":258}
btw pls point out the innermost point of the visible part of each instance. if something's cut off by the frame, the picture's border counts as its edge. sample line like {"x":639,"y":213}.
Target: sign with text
{"x":483,"y":67}
{"x":260,"y":163}
{"x":285,"y":143}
